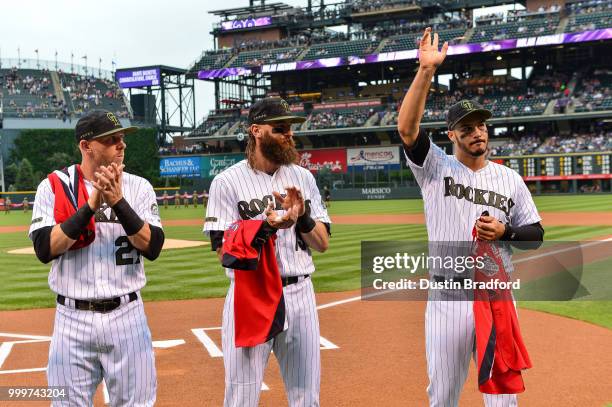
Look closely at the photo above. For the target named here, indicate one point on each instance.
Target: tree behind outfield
(25, 180)
(49, 150)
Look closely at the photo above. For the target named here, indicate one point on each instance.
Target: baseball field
(372, 351)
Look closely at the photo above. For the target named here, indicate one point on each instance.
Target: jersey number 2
(122, 255)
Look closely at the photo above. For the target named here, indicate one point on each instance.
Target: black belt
(103, 306)
(292, 280)
(441, 279)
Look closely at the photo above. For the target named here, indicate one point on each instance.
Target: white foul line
(105, 392)
(532, 257)
(5, 349)
(168, 344)
(37, 369)
(208, 343)
(327, 344)
(567, 249)
(22, 336)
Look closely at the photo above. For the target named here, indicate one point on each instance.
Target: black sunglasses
(281, 129)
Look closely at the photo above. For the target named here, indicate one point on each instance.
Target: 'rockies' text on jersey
(110, 266)
(454, 196)
(240, 192)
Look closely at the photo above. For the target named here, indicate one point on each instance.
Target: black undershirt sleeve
(216, 239)
(418, 152)
(155, 244)
(42, 244)
(527, 237)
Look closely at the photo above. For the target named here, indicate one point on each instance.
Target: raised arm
(413, 105)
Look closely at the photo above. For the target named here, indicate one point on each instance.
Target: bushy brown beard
(278, 151)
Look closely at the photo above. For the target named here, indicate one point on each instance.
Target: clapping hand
(293, 198)
(108, 182)
(292, 203)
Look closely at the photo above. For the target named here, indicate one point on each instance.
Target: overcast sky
(133, 33)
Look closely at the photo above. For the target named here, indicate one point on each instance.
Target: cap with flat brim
(272, 110)
(289, 119)
(463, 109)
(100, 123)
(484, 113)
(125, 130)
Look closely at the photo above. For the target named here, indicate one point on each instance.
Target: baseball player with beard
(269, 186)
(461, 193)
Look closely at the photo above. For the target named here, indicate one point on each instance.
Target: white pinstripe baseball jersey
(455, 196)
(110, 266)
(240, 192)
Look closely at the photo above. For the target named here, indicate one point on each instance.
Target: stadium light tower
(160, 95)
(1, 159)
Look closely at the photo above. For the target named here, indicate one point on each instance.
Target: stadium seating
(573, 143)
(589, 21)
(339, 49)
(85, 93)
(522, 146)
(271, 56)
(594, 92)
(28, 93)
(213, 124)
(339, 118)
(410, 41)
(527, 27)
(33, 93)
(212, 60)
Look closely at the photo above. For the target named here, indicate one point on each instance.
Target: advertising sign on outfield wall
(373, 158)
(179, 167)
(375, 193)
(333, 158)
(214, 164)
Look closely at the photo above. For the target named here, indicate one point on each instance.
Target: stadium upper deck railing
(457, 49)
(28, 63)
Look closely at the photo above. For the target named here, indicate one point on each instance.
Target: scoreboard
(553, 167)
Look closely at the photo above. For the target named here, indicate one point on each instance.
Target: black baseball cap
(99, 123)
(271, 110)
(463, 109)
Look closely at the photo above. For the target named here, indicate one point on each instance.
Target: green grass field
(196, 273)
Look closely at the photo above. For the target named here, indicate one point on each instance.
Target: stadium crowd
(402, 26)
(574, 143)
(362, 6)
(589, 6)
(16, 84)
(32, 93)
(87, 93)
(196, 148)
(497, 26)
(594, 92)
(338, 118)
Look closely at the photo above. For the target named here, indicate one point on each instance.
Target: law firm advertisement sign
(180, 166)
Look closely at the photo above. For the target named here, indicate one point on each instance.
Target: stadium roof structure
(173, 92)
(252, 9)
(164, 69)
